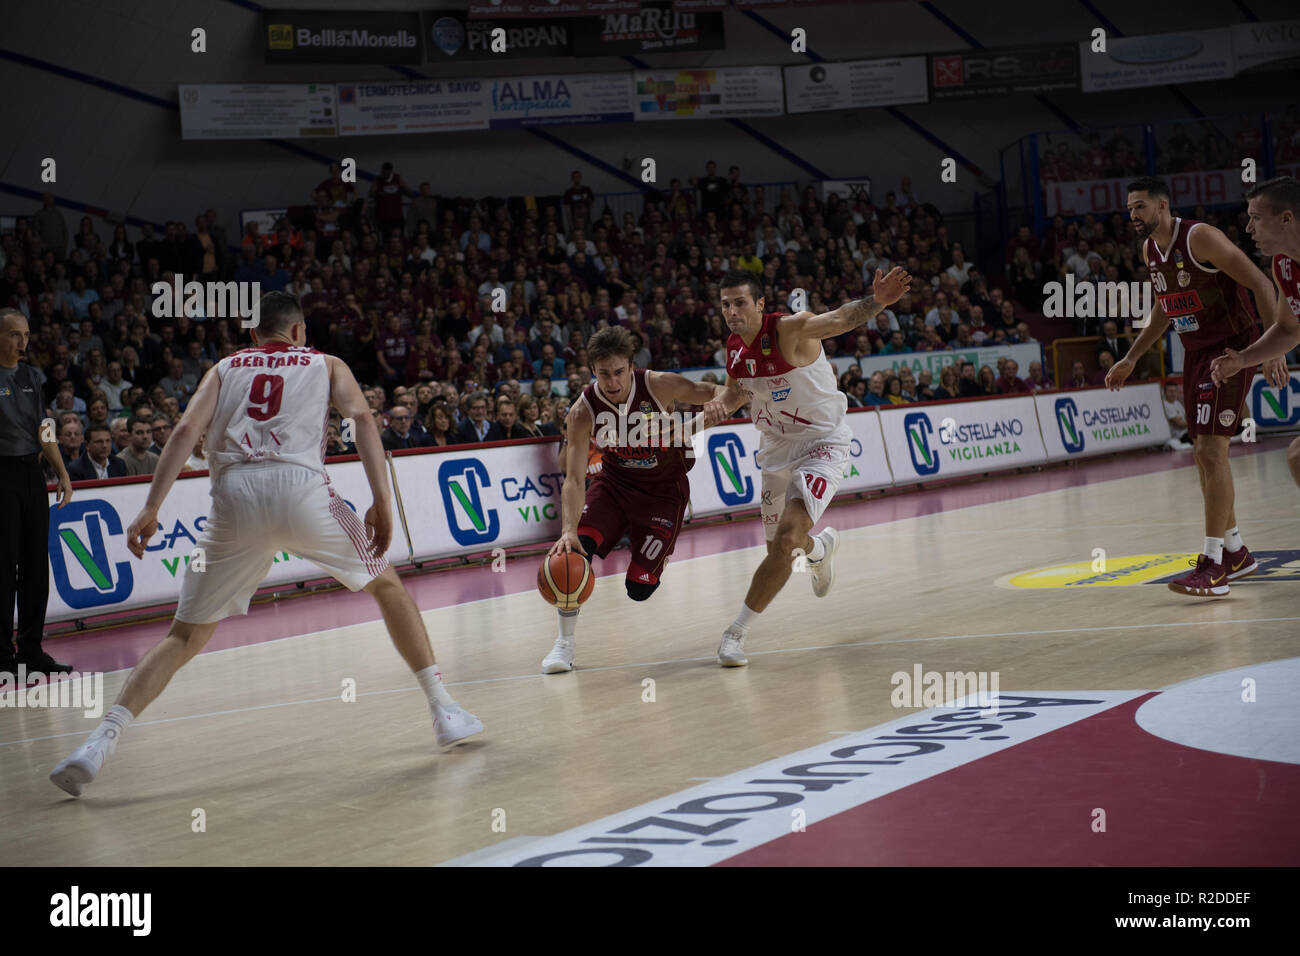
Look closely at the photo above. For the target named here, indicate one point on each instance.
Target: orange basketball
(565, 580)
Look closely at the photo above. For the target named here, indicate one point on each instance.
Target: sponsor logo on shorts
(1226, 418)
(659, 520)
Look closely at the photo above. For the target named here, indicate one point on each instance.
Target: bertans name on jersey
(646, 430)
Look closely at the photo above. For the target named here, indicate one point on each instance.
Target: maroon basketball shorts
(1211, 409)
(651, 517)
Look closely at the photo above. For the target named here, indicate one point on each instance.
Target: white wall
(124, 155)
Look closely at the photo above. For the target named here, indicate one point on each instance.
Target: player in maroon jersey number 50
(1274, 223)
(1199, 280)
(775, 363)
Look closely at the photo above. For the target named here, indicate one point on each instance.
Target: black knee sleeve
(639, 590)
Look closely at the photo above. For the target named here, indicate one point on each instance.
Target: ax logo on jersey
(725, 451)
(468, 519)
(89, 579)
(1273, 407)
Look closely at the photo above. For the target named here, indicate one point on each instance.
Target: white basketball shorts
(810, 469)
(258, 511)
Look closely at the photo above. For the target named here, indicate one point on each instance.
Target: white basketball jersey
(786, 401)
(273, 406)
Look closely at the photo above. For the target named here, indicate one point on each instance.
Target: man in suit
(478, 427)
(98, 460)
(398, 434)
(1111, 342)
(508, 419)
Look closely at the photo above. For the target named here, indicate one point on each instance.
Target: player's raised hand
(1275, 372)
(1225, 366)
(379, 527)
(141, 530)
(888, 289)
(1118, 374)
(568, 542)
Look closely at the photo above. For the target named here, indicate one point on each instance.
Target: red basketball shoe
(1210, 579)
(1240, 563)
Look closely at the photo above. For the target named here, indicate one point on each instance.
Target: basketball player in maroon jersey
(1274, 223)
(776, 364)
(1199, 278)
(263, 411)
(641, 489)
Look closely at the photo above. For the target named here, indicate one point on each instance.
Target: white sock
(1214, 548)
(110, 729)
(431, 682)
(1232, 540)
(745, 618)
(568, 623)
(818, 549)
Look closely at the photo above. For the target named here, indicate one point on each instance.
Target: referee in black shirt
(24, 503)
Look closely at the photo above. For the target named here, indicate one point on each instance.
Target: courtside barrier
(472, 499)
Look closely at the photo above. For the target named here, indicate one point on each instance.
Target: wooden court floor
(287, 773)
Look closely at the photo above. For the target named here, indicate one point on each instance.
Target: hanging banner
(550, 8)
(326, 36)
(1254, 44)
(544, 100)
(708, 94)
(257, 110)
(1031, 69)
(847, 86)
(655, 28)
(1158, 60)
(412, 106)
(1206, 187)
(453, 36)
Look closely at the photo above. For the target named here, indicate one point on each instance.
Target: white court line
(690, 660)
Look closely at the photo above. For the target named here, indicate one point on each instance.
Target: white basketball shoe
(83, 765)
(454, 723)
(731, 652)
(823, 571)
(560, 659)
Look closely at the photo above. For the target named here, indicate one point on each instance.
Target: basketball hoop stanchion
(401, 511)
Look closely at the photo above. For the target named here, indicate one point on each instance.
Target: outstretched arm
(1282, 337)
(886, 290)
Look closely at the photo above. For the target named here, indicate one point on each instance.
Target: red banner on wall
(1207, 187)
(722, 4)
(550, 8)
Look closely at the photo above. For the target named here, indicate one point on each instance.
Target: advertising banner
(708, 94)
(726, 476)
(1161, 59)
(1028, 69)
(92, 572)
(942, 441)
(1274, 409)
(342, 36)
(654, 28)
(412, 106)
(572, 99)
(1254, 44)
(550, 8)
(257, 110)
(847, 86)
(1207, 187)
(934, 362)
(1098, 421)
(451, 35)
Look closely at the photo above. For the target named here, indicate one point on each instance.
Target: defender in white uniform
(264, 411)
(776, 365)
